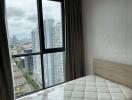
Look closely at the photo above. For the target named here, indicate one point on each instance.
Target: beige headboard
(116, 72)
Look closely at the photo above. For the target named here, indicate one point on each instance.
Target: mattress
(86, 88)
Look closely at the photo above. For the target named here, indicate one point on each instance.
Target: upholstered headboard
(116, 72)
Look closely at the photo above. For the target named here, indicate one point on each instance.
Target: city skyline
(29, 67)
(23, 36)
(21, 21)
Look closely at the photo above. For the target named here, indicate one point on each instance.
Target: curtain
(6, 82)
(74, 40)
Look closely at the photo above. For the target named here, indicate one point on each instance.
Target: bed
(112, 81)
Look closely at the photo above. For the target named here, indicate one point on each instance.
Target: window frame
(41, 28)
(43, 49)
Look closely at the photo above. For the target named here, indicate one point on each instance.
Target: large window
(37, 43)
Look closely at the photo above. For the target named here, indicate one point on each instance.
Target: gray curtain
(74, 40)
(6, 82)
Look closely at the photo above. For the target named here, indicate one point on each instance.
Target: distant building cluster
(20, 82)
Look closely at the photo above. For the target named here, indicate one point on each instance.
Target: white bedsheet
(87, 88)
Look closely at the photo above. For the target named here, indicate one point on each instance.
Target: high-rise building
(14, 40)
(28, 61)
(35, 40)
(22, 62)
(48, 27)
(53, 63)
(36, 59)
(58, 57)
(48, 58)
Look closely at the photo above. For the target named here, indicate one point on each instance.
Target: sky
(22, 16)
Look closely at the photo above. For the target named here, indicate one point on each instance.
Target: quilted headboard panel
(116, 72)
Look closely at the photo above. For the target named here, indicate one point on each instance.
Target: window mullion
(28, 54)
(63, 22)
(41, 34)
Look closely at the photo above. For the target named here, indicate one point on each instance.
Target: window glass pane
(54, 68)
(22, 26)
(52, 24)
(27, 74)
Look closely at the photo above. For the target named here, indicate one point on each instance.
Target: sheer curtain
(74, 40)
(6, 82)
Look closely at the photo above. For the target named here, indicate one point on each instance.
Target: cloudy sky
(22, 16)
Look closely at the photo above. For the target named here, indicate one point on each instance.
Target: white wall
(107, 26)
